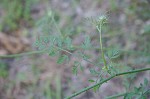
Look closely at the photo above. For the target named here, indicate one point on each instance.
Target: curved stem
(118, 74)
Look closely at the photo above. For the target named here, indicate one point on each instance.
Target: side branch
(97, 84)
(22, 54)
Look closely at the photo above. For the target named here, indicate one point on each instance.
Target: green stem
(115, 96)
(122, 50)
(75, 55)
(123, 94)
(76, 47)
(23, 54)
(44, 51)
(101, 45)
(118, 74)
(57, 28)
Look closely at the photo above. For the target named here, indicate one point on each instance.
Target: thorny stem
(104, 81)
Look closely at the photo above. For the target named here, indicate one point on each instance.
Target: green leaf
(112, 69)
(62, 58)
(52, 51)
(145, 82)
(41, 47)
(96, 88)
(52, 40)
(45, 39)
(36, 43)
(76, 63)
(90, 80)
(59, 42)
(146, 29)
(136, 90)
(114, 53)
(84, 56)
(75, 67)
(75, 70)
(129, 95)
(81, 67)
(87, 42)
(93, 72)
(68, 43)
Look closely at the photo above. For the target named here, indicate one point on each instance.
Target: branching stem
(104, 81)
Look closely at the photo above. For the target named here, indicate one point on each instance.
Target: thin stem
(75, 55)
(58, 29)
(43, 51)
(101, 45)
(118, 74)
(122, 50)
(123, 94)
(116, 96)
(23, 54)
(63, 50)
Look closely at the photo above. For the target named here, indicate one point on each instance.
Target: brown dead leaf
(12, 45)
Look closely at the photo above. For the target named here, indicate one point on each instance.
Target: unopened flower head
(102, 19)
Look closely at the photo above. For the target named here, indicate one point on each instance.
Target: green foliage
(140, 92)
(68, 43)
(58, 44)
(75, 70)
(91, 80)
(62, 58)
(96, 88)
(84, 56)
(146, 30)
(53, 51)
(93, 72)
(113, 53)
(87, 43)
(76, 66)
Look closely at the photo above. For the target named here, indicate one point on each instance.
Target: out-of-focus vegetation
(3, 70)
(15, 14)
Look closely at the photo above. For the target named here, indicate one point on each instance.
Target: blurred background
(38, 76)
